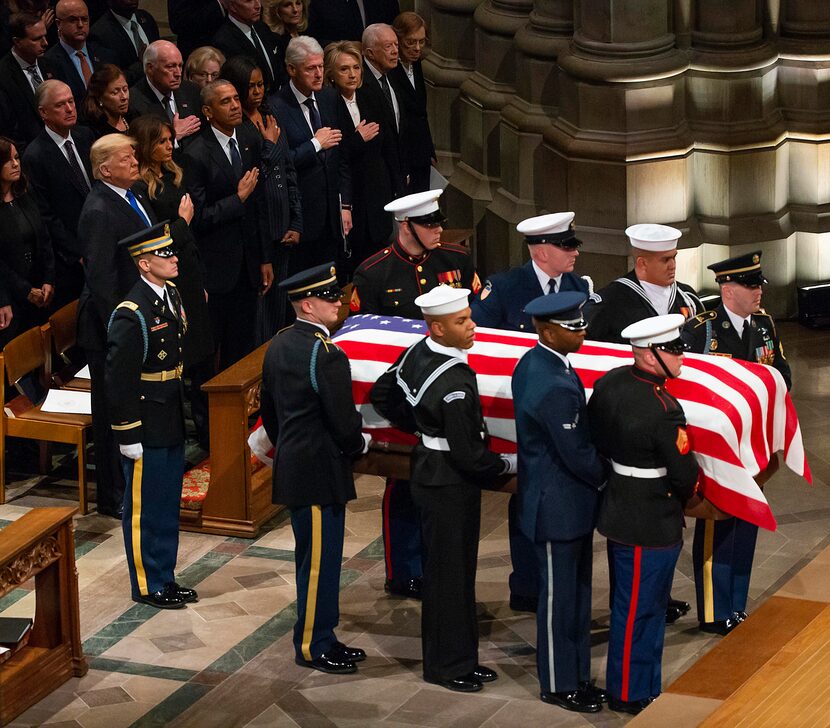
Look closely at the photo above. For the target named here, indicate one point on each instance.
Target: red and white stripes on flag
(739, 414)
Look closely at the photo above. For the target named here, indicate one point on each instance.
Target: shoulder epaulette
(376, 258)
(284, 329)
(170, 283)
(702, 318)
(762, 312)
(128, 304)
(325, 339)
(455, 248)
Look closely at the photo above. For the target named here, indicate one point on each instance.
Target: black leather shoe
(676, 609)
(408, 589)
(111, 512)
(333, 664)
(339, 651)
(592, 692)
(484, 674)
(574, 700)
(163, 599)
(740, 616)
(188, 595)
(519, 603)
(464, 684)
(628, 706)
(722, 627)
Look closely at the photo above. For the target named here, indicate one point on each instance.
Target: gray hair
(208, 93)
(371, 36)
(153, 51)
(44, 91)
(300, 48)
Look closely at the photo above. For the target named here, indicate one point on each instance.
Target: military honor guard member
(143, 376)
(432, 390)
(641, 428)
(309, 414)
(387, 284)
(561, 475)
(501, 304)
(722, 551)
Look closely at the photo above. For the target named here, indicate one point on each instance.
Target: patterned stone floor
(228, 661)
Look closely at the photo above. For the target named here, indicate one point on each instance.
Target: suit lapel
(62, 163)
(297, 116)
(218, 156)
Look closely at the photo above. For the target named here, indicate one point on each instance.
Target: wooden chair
(23, 355)
(63, 333)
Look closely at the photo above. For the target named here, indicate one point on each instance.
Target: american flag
(739, 414)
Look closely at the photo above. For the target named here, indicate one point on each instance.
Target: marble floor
(228, 660)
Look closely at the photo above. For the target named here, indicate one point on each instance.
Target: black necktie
(236, 159)
(76, 167)
(552, 285)
(168, 108)
(37, 79)
(140, 47)
(313, 114)
(384, 84)
(260, 49)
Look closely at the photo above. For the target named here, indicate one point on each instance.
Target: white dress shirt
(545, 279)
(351, 105)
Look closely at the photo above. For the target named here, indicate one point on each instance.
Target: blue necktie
(236, 159)
(134, 204)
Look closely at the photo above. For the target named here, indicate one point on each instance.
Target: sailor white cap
(655, 330)
(442, 300)
(656, 238)
(420, 207)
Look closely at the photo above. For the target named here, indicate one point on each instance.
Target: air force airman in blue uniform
(722, 550)
(554, 248)
(561, 475)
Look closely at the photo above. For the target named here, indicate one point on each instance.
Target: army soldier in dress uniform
(432, 390)
(561, 475)
(143, 376)
(641, 428)
(387, 284)
(722, 550)
(554, 248)
(309, 414)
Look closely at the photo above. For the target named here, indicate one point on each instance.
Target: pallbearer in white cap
(432, 390)
(641, 429)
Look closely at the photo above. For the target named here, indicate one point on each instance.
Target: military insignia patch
(450, 278)
(726, 325)
(682, 441)
(354, 301)
(713, 345)
(756, 259)
(488, 287)
(162, 355)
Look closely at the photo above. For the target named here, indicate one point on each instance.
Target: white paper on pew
(84, 373)
(437, 181)
(68, 402)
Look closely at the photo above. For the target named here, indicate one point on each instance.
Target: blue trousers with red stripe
(150, 522)
(642, 580)
(722, 553)
(318, 554)
(401, 532)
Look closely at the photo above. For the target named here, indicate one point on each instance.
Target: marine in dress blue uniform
(554, 248)
(722, 550)
(561, 475)
(143, 375)
(309, 414)
(387, 284)
(641, 429)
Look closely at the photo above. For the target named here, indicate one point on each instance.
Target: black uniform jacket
(309, 413)
(636, 423)
(145, 338)
(625, 302)
(711, 332)
(437, 395)
(388, 282)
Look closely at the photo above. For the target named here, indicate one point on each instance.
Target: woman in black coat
(106, 108)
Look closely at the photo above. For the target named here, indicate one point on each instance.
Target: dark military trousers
(318, 554)
(450, 525)
(722, 553)
(151, 517)
(642, 580)
(109, 474)
(563, 615)
(401, 532)
(523, 580)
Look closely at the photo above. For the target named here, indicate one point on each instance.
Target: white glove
(133, 452)
(510, 461)
(367, 440)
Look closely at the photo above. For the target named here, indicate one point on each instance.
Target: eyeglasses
(82, 19)
(206, 75)
(415, 42)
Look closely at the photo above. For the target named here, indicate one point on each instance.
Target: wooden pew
(41, 544)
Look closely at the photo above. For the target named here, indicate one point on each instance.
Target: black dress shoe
(573, 700)
(518, 603)
(187, 595)
(333, 664)
(339, 651)
(484, 674)
(163, 599)
(628, 706)
(722, 627)
(111, 512)
(410, 589)
(676, 609)
(740, 616)
(591, 691)
(464, 684)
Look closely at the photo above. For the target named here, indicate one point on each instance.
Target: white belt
(435, 443)
(632, 472)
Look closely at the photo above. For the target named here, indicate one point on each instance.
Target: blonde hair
(199, 57)
(271, 16)
(335, 50)
(104, 148)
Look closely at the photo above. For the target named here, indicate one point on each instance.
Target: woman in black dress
(27, 262)
(106, 108)
(282, 194)
(161, 181)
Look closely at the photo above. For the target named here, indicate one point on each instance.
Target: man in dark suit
(194, 22)
(243, 33)
(110, 213)
(163, 92)
(307, 114)
(22, 70)
(126, 31)
(57, 167)
(222, 171)
(75, 58)
(560, 479)
(331, 20)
